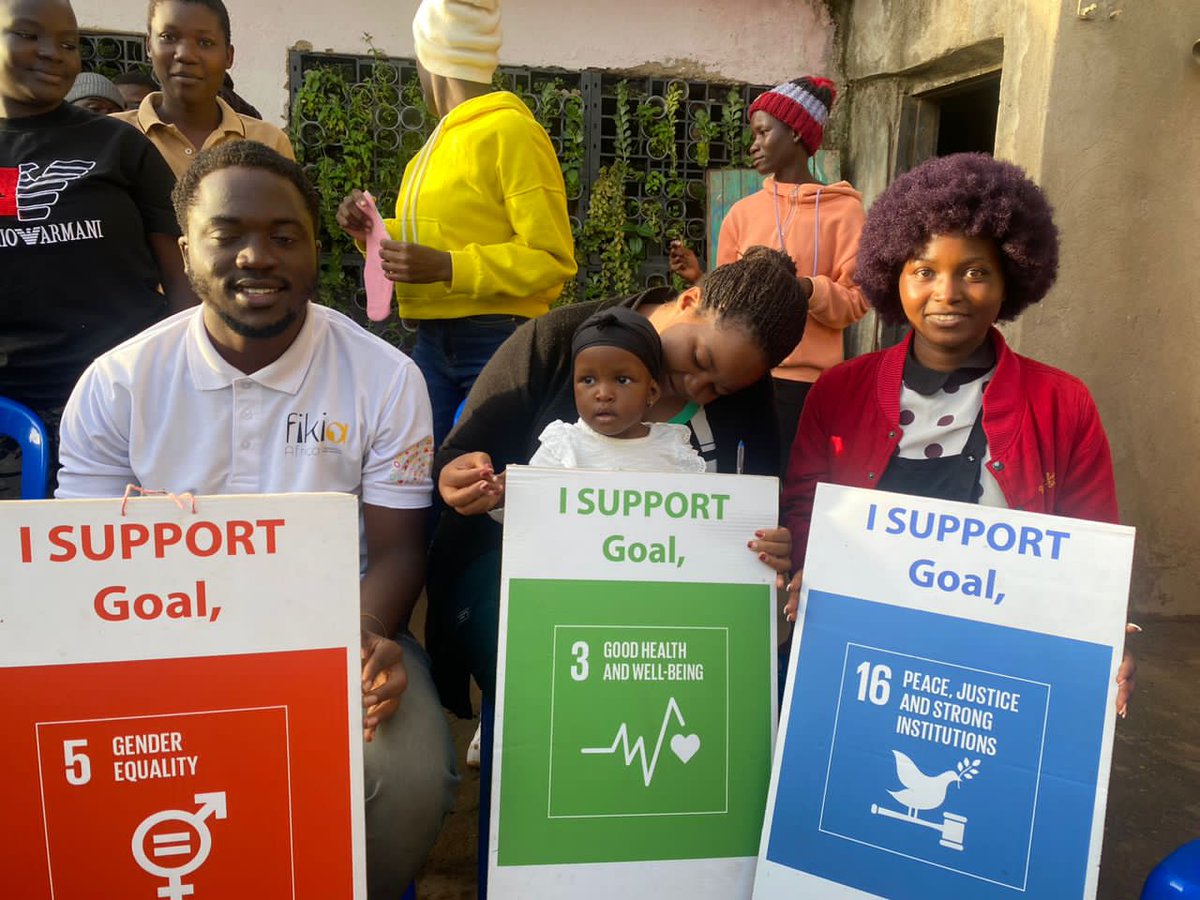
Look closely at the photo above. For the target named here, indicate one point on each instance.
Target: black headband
(624, 328)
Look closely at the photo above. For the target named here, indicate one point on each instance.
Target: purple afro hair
(970, 194)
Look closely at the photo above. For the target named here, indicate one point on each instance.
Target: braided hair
(760, 293)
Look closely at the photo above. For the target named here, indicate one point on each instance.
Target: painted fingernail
(763, 557)
(759, 534)
(750, 544)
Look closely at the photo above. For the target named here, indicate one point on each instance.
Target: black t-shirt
(79, 193)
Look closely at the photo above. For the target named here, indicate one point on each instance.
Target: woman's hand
(793, 596)
(383, 680)
(683, 262)
(414, 263)
(1126, 676)
(774, 547)
(469, 485)
(351, 218)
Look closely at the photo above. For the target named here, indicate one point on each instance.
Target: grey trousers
(410, 780)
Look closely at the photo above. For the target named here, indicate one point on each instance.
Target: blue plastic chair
(24, 426)
(1177, 877)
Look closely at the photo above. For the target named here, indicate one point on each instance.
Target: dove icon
(923, 791)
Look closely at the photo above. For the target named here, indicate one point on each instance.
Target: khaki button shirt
(179, 152)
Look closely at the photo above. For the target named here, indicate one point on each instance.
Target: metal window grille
(113, 54)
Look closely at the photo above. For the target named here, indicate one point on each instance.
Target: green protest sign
(634, 714)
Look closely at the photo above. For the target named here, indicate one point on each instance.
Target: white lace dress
(667, 448)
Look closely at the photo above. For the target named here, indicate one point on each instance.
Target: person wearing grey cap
(93, 91)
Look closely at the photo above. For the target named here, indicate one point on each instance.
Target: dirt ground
(1154, 795)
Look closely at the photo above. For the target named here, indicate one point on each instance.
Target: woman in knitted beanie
(816, 224)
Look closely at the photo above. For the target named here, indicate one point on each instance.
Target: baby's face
(613, 390)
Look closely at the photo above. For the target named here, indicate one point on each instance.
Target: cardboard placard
(635, 712)
(949, 711)
(180, 698)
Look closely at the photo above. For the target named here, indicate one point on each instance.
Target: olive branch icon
(968, 768)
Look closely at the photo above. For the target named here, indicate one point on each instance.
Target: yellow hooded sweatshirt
(487, 188)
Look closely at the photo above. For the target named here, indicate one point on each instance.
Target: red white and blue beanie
(803, 105)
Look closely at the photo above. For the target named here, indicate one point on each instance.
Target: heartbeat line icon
(683, 746)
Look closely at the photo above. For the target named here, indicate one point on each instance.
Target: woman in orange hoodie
(816, 224)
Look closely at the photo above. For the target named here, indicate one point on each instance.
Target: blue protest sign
(948, 718)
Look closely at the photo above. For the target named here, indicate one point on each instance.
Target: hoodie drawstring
(817, 232)
(779, 226)
(407, 205)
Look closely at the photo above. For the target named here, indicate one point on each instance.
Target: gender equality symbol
(178, 843)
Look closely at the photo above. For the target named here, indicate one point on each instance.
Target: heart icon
(685, 747)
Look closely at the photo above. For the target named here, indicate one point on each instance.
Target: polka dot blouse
(937, 420)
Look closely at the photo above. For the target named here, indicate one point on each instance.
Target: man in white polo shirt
(260, 391)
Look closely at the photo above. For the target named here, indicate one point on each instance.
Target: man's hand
(469, 485)
(683, 262)
(383, 680)
(415, 264)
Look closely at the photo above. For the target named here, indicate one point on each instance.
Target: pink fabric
(379, 288)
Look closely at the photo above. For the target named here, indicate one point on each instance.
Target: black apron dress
(944, 478)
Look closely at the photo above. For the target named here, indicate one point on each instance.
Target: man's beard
(258, 332)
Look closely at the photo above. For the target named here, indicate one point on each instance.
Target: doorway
(959, 117)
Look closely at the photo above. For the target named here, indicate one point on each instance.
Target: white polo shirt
(341, 410)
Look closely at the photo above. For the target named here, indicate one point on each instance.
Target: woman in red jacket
(952, 247)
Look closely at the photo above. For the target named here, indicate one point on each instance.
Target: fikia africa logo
(307, 435)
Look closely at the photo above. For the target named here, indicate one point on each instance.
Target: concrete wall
(895, 48)
(738, 40)
(1105, 113)
(1122, 165)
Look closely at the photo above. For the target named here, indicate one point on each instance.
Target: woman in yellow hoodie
(480, 240)
(816, 224)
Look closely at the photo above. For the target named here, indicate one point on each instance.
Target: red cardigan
(1048, 451)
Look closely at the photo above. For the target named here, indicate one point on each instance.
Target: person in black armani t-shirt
(87, 233)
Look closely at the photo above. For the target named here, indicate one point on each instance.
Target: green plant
(734, 133)
(607, 230)
(706, 131)
(623, 145)
(344, 142)
(572, 143)
(604, 232)
(658, 121)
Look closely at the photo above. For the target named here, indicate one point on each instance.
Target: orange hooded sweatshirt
(818, 226)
